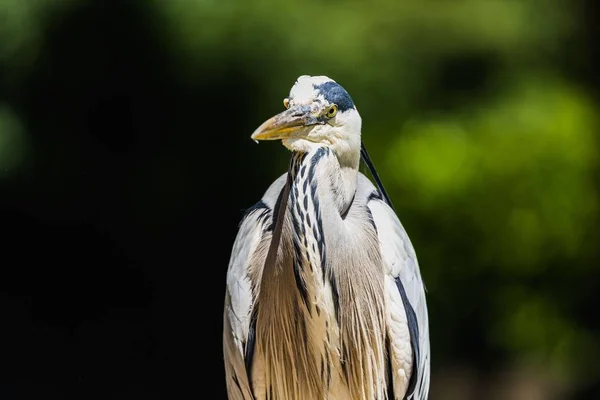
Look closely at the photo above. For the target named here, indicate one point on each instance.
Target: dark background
(126, 164)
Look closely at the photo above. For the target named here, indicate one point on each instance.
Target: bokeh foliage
(485, 136)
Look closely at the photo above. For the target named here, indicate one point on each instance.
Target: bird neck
(333, 183)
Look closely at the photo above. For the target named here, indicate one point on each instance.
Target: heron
(324, 297)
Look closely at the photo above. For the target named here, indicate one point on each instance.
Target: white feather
(401, 261)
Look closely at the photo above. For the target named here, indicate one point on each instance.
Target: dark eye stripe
(334, 93)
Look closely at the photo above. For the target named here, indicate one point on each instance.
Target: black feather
(249, 356)
(413, 328)
(367, 160)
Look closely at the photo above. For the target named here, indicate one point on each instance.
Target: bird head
(319, 112)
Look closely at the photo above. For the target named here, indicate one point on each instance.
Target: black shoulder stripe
(249, 356)
(390, 379)
(413, 328)
(374, 195)
(261, 207)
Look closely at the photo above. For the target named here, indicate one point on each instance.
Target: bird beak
(287, 124)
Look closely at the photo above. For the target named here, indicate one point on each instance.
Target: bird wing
(407, 316)
(238, 337)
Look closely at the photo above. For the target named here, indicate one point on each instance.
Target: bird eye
(331, 111)
(286, 102)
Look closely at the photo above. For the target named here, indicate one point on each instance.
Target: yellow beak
(287, 124)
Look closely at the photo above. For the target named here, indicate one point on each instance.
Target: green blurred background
(126, 164)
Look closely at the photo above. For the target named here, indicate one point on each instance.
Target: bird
(324, 297)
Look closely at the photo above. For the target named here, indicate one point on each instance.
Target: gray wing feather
(239, 297)
(401, 260)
